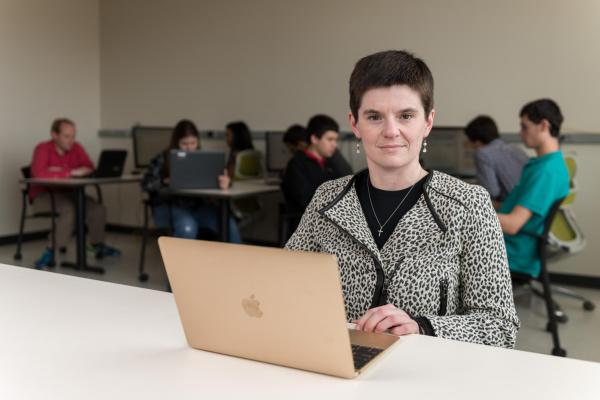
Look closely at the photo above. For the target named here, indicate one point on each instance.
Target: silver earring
(425, 146)
(358, 147)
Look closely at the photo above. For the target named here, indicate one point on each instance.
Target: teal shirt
(544, 180)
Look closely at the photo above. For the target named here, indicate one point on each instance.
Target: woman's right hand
(224, 180)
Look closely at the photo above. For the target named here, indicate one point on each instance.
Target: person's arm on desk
(81, 171)
(390, 319)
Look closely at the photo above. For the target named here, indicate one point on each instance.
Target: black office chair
(544, 279)
(52, 214)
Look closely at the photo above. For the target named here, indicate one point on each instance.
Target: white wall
(276, 62)
(49, 67)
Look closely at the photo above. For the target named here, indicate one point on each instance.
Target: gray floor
(580, 336)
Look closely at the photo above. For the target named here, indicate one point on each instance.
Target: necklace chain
(380, 230)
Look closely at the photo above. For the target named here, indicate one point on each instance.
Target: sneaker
(46, 260)
(103, 250)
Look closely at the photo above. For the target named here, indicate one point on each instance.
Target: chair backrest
(571, 163)
(248, 165)
(565, 234)
(26, 171)
(550, 218)
(543, 239)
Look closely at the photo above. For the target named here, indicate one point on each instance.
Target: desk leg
(224, 220)
(81, 263)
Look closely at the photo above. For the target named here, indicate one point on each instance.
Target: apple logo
(252, 307)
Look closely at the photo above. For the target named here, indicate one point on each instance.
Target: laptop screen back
(196, 169)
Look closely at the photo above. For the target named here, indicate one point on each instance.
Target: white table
(78, 185)
(238, 190)
(63, 337)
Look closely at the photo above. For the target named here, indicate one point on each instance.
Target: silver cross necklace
(380, 230)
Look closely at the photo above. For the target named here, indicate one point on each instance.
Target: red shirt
(45, 156)
(315, 158)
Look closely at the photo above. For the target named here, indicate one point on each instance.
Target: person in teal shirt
(544, 180)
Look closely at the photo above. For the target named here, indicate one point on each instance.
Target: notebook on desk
(196, 169)
(267, 304)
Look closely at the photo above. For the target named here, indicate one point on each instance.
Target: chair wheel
(143, 277)
(18, 257)
(560, 352)
(51, 264)
(588, 305)
(561, 316)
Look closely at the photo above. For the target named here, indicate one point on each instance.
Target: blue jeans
(187, 221)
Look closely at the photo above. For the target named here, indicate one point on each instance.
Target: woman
(188, 215)
(238, 138)
(418, 251)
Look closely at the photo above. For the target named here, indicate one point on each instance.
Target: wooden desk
(78, 186)
(66, 337)
(238, 190)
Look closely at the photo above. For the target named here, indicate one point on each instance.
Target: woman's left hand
(387, 318)
(224, 180)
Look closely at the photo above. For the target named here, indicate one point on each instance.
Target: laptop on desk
(110, 165)
(196, 169)
(267, 304)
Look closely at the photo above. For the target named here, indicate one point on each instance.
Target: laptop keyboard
(362, 355)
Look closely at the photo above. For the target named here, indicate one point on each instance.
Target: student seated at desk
(238, 138)
(544, 180)
(296, 139)
(311, 166)
(188, 215)
(63, 157)
(418, 251)
(498, 164)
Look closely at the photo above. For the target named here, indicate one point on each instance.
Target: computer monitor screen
(448, 151)
(278, 154)
(148, 142)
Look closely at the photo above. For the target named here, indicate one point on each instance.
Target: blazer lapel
(346, 212)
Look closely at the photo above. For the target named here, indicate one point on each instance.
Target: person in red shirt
(63, 157)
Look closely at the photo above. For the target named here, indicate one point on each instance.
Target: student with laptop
(311, 166)
(418, 251)
(63, 157)
(545, 179)
(189, 215)
(498, 164)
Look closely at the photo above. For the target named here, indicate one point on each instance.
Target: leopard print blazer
(445, 260)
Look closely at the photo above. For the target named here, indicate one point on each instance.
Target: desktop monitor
(148, 142)
(278, 154)
(448, 151)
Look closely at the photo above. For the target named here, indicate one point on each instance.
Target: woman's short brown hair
(390, 68)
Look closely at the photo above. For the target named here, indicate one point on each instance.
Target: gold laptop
(267, 304)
